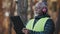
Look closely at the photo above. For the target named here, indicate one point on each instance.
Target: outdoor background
(24, 9)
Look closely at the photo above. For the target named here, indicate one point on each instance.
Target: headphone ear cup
(44, 10)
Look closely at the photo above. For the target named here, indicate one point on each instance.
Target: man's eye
(38, 8)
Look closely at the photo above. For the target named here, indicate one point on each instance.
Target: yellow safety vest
(39, 26)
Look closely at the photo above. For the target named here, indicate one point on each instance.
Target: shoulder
(49, 23)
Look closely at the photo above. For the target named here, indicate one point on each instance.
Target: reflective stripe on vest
(39, 26)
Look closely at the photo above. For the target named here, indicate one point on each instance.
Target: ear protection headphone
(44, 9)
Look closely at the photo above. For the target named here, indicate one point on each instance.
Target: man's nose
(37, 9)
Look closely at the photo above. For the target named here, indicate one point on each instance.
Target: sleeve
(49, 27)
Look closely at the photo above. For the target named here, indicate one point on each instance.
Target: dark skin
(37, 10)
(26, 31)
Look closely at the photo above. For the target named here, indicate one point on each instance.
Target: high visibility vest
(39, 26)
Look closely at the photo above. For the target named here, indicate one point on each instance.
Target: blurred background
(25, 9)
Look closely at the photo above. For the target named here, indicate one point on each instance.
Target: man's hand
(24, 30)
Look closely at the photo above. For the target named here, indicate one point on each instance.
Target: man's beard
(35, 14)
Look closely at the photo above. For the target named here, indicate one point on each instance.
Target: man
(42, 23)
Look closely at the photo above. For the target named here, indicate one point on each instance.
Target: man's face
(37, 9)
